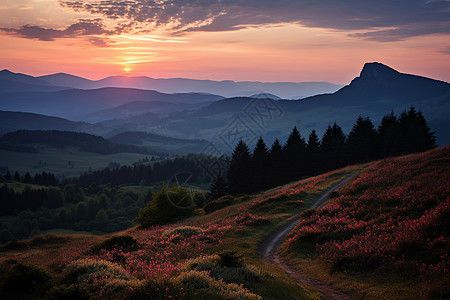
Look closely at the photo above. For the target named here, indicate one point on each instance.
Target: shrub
(212, 265)
(69, 292)
(166, 204)
(199, 198)
(90, 270)
(218, 203)
(205, 287)
(184, 231)
(126, 243)
(26, 280)
(229, 259)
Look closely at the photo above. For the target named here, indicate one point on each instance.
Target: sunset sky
(264, 40)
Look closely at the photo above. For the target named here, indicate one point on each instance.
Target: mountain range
(225, 88)
(377, 91)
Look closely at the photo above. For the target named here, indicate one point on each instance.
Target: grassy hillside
(215, 255)
(174, 260)
(385, 236)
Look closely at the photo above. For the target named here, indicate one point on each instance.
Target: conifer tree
(312, 154)
(294, 155)
(275, 164)
(239, 180)
(333, 148)
(259, 167)
(362, 142)
(415, 135)
(218, 187)
(17, 176)
(389, 135)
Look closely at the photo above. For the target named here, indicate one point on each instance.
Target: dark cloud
(445, 50)
(381, 20)
(98, 42)
(403, 18)
(82, 28)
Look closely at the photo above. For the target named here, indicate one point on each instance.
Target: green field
(63, 163)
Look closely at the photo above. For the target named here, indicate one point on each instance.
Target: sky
(245, 40)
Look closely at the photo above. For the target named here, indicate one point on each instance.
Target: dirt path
(269, 250)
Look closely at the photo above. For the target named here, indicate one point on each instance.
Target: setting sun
(127, 69)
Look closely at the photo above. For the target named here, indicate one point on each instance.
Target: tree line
(265, 168)
(149, 173)
(97, 209)
(43, 178)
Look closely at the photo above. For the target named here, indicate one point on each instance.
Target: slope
(13, 121)
(62, 139)
(385, 235)
(75, 104)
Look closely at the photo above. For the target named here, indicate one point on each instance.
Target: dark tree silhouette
(27, 178)
(294, 155)
(333, 148)
(218, 187)
(17, 176)
(362, 142)
(239, 180)
(312, 154)
(259, 166)
(389, 134)
(415, 135)
(275, 164)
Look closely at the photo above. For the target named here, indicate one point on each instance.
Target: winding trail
(269, 250)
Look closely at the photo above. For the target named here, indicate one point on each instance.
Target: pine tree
(332, 148)
(17, 177)
(239, 180)
(276, 164)
(218, 187)
(259, 166)
(312, 154)
(27, 178)
(362, 142)
(415, 135)
(294, 155)
(389, 135)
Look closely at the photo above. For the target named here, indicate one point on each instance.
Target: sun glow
(127, 69)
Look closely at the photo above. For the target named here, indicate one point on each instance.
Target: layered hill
(13, 121)
(377, 91)
(227, 88)
(75, 104)
(62, 139)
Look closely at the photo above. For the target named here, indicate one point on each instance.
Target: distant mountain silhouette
(74, 104)
(62, 139)
(13, 121)
(378, 90)
(159, 142)
(265, 95)
(227, 88)
(17, 82)
(136, 108)
(378, 81)
(71, 81)
(23, 78)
